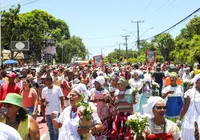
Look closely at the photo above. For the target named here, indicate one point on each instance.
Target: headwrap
(173, 74)
(100, 80)
(148, 108)
(195, 79)
(81, 90)
(123, 81)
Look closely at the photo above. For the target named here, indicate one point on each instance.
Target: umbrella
(10, 62)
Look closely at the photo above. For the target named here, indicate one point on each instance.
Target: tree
(37, 26)
(71, 47)
(166, 44)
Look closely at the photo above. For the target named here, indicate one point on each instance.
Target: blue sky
(100, 23)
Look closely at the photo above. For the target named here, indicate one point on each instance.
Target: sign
(50, 46)
(50, 50)
(19, 45)
(49, 42)
(150, 57)
(98, 61)
(46, 57)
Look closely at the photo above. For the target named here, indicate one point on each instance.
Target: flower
(137, 123)
(154, 85)
(135, 91)
(186, 83)
(85, 109)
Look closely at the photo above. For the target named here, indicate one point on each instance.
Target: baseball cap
(55, 71)
(12, 75)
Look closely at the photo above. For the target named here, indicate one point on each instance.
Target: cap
(12, 75)
(55, 71)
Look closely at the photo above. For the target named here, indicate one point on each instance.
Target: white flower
(186, 81)
(81, 108)
(92, 106)
(156, 84)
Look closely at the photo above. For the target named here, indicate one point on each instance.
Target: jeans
(53, 133)
(30, 111)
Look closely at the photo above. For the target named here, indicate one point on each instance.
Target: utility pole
(102, 51)
(126, 38)
(138, 32)
(119, 50)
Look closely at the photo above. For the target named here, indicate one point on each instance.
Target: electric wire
(174, 25)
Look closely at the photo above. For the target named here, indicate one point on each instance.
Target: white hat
(148, 108)
(100, 80)
(188, 68)
(195, 79)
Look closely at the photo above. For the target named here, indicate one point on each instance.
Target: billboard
(150, 57)
(98, 61)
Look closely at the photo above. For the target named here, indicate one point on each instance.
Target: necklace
(159, 128)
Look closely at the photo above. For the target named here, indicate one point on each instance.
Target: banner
(50, 50)
(150, 57)
(98, 61)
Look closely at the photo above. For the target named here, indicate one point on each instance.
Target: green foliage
(137, 123)
(37, 26)
(185, 48)
(84, 108)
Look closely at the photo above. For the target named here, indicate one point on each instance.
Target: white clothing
(19, 84)
(178, 91)
(8, 133)
(186, 77)
(192, 115)
(136, 84)
(170, 127)
(70, 124)
(52, 96)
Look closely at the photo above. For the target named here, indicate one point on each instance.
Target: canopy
(7, 62)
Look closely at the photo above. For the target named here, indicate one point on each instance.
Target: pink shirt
(28, 97)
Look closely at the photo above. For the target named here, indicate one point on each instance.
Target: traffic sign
(46, 57)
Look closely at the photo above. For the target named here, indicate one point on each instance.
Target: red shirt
(8, 88)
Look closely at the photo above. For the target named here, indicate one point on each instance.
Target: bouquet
(186, 84)
(135, 91)
(85, 111)
(154, 85)
(137, 123)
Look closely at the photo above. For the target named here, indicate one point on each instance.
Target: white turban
(81, 89)
(100, 80)
(195, 79)
(148, 108)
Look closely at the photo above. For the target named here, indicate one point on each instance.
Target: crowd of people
(169, 93)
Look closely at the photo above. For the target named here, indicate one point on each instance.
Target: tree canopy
(185, 48)
(37, 26)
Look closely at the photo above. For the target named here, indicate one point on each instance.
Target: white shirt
(8, 133)
(70, 124)
(52, 96)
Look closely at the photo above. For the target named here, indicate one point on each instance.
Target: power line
(174, 24)
(22, 3)
(103, 37)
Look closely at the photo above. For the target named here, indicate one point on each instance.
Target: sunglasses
(7, 105)
(160, 107)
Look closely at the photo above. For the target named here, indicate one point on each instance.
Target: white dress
(70, 124)
(136, 84)
(192, 115)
